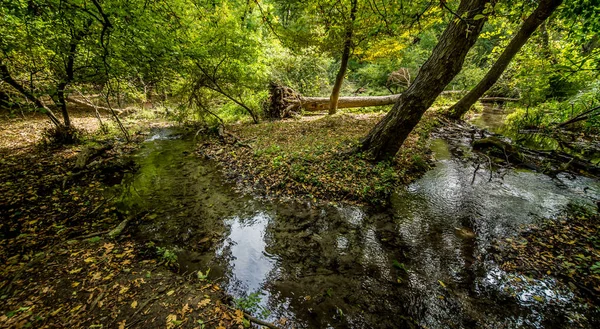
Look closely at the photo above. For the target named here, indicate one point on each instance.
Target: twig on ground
(475, 173)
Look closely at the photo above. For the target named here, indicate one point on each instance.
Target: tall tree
(339, 79)
(349, 27)
(446, 60)
(540, 14)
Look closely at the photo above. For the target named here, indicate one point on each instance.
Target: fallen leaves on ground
(50, 277)
(567, 248)
(308, 158)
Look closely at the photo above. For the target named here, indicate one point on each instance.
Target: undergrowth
(61, 136)
(309, 158)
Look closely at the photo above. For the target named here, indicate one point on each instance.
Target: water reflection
(421, 262)
(245, 245)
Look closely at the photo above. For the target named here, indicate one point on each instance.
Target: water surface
(420, 262)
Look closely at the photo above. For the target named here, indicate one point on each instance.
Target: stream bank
(59, 267)
(422, 261)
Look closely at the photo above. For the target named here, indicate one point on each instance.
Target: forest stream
(420, 262)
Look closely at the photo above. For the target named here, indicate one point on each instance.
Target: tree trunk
(446, 60)
(339, 79)
(316, 104)
(62, 103)
(69, 74)
(5, 76)
(539, 15)
(284, 102)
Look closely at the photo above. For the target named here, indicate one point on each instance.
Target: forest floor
(59, 267)
(308, 158)
(567, 248)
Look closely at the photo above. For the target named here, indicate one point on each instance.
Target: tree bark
(5, 76)
(62, 103)
(69, 74)
(317, 104)
(286, 102)
(339, 79)
(446, 60)
(539, 15)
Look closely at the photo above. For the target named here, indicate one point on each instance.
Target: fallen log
(580, 117)
(498, 99)
(284, 102)
(93, 106)
(314, 104)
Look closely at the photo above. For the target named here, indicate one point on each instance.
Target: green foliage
(199, 60)
(251, 304)
(305, 71)
(203, 276)
(554, 112)
(167, 256)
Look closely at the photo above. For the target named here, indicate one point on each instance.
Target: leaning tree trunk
(446, 60)
(5, 76)
(339, 79)
(539, 15)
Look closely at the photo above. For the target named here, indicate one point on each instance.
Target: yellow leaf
(185, 309)
(108, 246)
(75, 284)
(76, 308)
(239, 316)
(203, 303)
(122, 324)
(134, 304)
(170, 292)
(171, 321)
(89, 260)
(123, 290)
(442, 284)
(56, 311)
(75, 271)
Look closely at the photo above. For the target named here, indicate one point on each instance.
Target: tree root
(236, 140)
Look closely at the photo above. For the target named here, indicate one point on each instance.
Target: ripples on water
(421, 261)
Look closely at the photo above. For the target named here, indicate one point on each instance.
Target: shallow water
(493, 116)
(420, 262)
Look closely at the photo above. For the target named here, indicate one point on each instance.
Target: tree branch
(5, 76)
